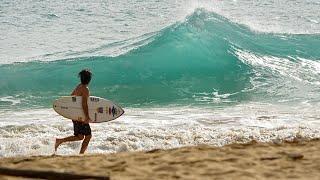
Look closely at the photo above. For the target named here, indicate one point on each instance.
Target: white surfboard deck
(100, 110)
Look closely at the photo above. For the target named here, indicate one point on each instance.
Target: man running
(82, 130)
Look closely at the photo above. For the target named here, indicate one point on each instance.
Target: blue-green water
(186, 72)
(189, 62)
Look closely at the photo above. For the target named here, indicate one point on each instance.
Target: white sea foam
(10, 99)
(283, 79)
(300, 69)
(33, 132)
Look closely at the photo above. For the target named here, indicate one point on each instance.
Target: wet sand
(287, 160)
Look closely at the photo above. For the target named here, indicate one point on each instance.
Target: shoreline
(286, 160)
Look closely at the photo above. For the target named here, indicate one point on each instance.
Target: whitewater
(186, 72)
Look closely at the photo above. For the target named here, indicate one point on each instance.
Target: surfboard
(100, 109)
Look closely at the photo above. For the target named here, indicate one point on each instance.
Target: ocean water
(186, 72)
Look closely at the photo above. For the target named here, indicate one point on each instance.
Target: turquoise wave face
(204, 60)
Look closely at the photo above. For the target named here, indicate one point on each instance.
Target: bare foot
(56, 145)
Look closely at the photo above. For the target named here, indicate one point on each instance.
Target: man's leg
(85, 144)
(67, 139)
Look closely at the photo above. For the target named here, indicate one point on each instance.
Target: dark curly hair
(85, 76)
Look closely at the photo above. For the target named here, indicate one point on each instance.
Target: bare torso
(80, 90)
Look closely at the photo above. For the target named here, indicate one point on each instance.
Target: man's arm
(85, 96)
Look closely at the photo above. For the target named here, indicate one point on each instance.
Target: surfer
(82, 130)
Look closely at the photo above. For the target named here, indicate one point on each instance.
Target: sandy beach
(286, 160)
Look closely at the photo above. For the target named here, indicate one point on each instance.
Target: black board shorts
(81, 128)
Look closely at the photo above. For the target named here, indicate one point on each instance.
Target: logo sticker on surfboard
(100, 110)
(114, 111)
(94, 99)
